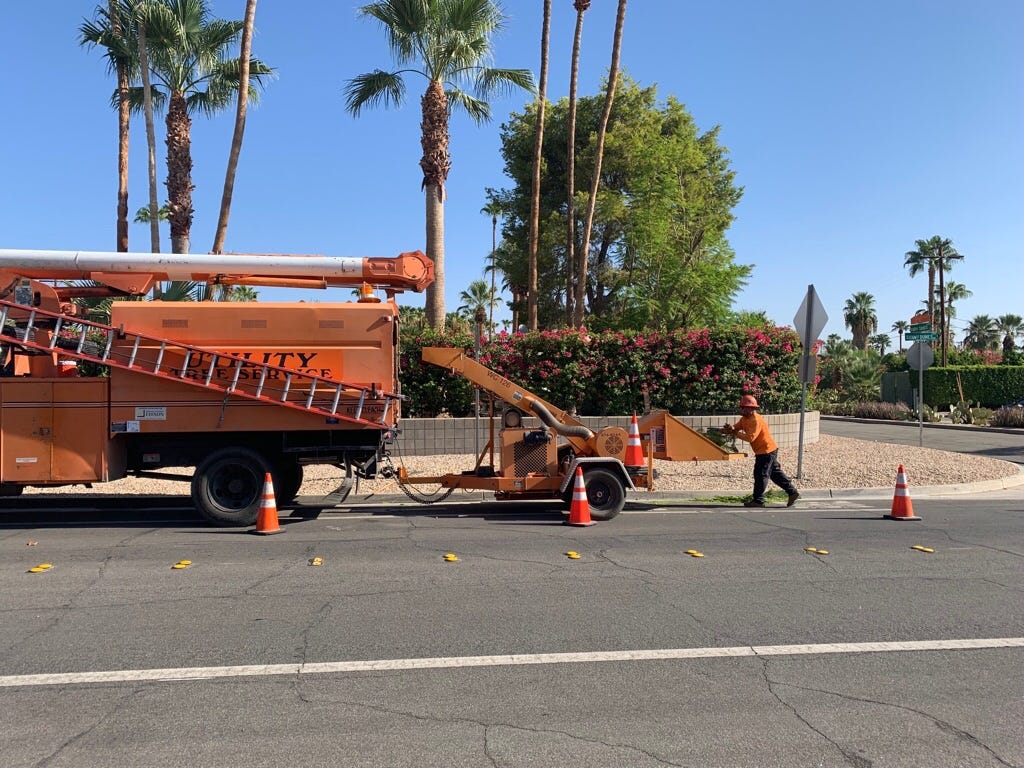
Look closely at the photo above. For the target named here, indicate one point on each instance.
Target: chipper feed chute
(673, 440)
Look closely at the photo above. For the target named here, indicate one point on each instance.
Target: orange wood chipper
(541, 463)
(234, 389)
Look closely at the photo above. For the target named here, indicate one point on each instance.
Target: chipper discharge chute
(672, 440)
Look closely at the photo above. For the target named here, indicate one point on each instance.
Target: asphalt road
(1007, 445)
(383, 593)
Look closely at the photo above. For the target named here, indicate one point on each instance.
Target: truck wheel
(228, 486)
(287, 481)
(606, 494)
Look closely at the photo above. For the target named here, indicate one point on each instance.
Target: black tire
(228, 486)
(9, 490)
(606, 493)
(287, 481)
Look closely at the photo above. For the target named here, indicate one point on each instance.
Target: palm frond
(372, 89)
(478, 109)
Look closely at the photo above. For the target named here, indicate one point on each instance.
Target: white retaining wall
(429, 437)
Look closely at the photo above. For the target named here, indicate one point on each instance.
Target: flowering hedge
(596, 374)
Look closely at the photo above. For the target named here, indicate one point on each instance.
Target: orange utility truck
(234, 389)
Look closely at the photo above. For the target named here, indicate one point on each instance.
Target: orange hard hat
(748, 401)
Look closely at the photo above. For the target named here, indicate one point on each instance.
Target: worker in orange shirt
(754, 429)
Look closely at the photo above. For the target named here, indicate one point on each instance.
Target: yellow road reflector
(810, 549)
(822, 552)
(37, 569)
(317, 561)
(571, 552)
(45, 566)
(178, 567)
(450, 557)
(919, 548)
(696, 554)
(572, 555)
(31, 543)
(184, 562)
(691, 551)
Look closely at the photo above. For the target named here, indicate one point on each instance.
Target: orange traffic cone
(634, 451)
(579, 510)
(266, 520)
(902, 507)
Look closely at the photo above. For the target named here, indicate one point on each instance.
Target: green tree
(659, 256)
(538, 154)
(492, 209)
(860, 317)
(900, 327)
(447, 42)
(1011, 326)
(476, 297)
(581, 7)
(188, 59)
(982, 333)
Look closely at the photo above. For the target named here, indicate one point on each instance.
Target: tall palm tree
(581, 7)
(110, 30)
(938, 254)
(881, 342)
(954, 292)
(147, 108)
(492, 209)
(982, 333)
(448, 42)
(538, 150)
(236, 139)
(901, 327)
(602, 127)
(1011, 326)
(188, 58)
(859, 316)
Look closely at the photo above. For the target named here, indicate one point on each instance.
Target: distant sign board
(921, 336)
(914, 327)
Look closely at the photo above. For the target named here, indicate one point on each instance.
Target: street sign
(914, 327)
(808, 366)
(921, 317)
(921, 336)
(810, 319)
(920, 356)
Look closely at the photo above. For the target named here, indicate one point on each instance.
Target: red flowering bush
(607, 373)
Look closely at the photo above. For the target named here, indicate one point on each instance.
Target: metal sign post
(919, 357)
(809, 322)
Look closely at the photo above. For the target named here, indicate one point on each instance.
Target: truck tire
(227, 486)
(606, 493)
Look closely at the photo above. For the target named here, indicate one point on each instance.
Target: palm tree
(881, 342)
(1010, 326)
(450, 42)
(492, 209)
(602, 127)
(954, 292)
(901, 327)
(859, 315)
(982, 333)
(938, 253)
(477, 297)
(111, 31)
(188, 59)
(236, 139)
(147, 108)
(581, 7)
(538, 149)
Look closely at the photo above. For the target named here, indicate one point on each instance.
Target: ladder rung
(160, 357)
(56, 332)
(234, 379)
(135, 351)
(209, 372)
(263, 380)
(387, 405)
(312, 391)
(184, 365)
(106, 349)
(337, 397)
(29, 324)
(81, 339)
(359, 407)
(287, 386)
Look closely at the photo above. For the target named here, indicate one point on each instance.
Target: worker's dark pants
(767, 467)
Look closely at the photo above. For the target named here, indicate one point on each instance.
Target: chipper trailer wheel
(606, 493)
(228, 486)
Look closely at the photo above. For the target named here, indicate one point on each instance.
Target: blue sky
(855, 129)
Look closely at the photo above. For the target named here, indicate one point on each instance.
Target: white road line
(381, 665)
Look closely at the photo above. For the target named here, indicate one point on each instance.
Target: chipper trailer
(540, 463)
(233, 389)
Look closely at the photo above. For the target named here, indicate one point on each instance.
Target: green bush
(988, 385)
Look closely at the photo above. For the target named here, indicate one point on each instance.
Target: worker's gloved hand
(727, 428)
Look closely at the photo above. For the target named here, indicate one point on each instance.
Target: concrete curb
(926, 425)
